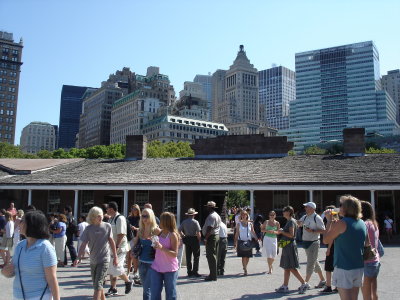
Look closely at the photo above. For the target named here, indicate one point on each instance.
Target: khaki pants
(312, 258)
(211, 254)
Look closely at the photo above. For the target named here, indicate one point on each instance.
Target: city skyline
(86, 51)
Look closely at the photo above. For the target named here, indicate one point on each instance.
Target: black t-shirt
(2, 222)
(134, 221)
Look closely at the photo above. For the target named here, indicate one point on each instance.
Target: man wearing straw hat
(191, 236)
(211, 236)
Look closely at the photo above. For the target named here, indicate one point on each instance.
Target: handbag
(244, 246)
(137, 249)
(381, 250)
(283, 243)
(20, 280)
(369, 252)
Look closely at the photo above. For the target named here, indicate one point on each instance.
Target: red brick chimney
(354, 141)
(136, 147)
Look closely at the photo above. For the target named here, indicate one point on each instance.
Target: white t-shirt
(314, 222)
(119, 227)
(81, 227)
(223, 231)
(9, 229)
(388, 223)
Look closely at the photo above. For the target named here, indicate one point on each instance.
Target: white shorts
(347, 279)
(119, 269)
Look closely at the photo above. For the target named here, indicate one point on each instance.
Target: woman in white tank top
(244, 232)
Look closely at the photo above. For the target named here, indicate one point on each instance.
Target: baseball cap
(310, 204)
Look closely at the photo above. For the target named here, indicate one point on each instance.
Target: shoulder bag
(369, 252)
(20, 279)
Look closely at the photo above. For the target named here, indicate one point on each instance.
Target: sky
(81, 43)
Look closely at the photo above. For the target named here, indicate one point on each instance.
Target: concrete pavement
(75, 283)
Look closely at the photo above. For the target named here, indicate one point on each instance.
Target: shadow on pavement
(274, 295)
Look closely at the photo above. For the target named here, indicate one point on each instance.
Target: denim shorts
(372, 269)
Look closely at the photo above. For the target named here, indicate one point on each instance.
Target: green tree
(237, 198)
(292, 153)
(45, 154)
(10, 151)
(314, 150)
(170, 149)
(61, 153)
(116, 151)
(77, 153)
(380, 151)
(99, 151)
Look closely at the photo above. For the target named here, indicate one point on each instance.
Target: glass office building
(336, 88)
(70, 111)
(277, 88)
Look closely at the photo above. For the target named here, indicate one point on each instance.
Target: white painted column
(252, 204)
(76, 205)
(178, 207)
(373, 199)
(29, 197)
(125, 210)
(311, 195)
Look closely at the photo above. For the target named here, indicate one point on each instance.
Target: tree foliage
(380, 151)
(237, 198)
(315, 150)
(170, 149)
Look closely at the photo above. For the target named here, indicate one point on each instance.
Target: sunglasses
(145, 216)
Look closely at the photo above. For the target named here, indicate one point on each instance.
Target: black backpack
(129, 232)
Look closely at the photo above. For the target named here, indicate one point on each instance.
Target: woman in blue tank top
(349, 235)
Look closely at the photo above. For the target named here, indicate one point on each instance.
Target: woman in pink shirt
(164, 269)
(371, 267)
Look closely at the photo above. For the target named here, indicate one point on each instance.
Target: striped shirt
(32, 261)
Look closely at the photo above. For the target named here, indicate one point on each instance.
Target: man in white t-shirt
(313, 226)
(118, 225)
(388, 227)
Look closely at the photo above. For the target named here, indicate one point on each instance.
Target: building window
(280, 199)
(141, 198)
(87, 201)
(53, 204)
(170, 203)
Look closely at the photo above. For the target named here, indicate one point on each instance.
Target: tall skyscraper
(70, 111)
(239, 107)
(95, 120)
(149, 94)
(391, 84)
(37, 136)
(277, 90)
(10, 68)
(337, 88)
(206, 83)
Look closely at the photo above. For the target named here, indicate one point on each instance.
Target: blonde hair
(20, 213)
(152, 221)
(94, 212)
(168, 222)
(135, 206)
(351, 207)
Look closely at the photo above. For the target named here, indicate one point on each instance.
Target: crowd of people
(144, 249)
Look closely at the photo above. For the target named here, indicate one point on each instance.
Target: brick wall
(354, 141)
(136, 147)
(229, 145)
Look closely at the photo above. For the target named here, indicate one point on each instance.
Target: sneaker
(335, 290)
(303, 288)
(136, 276)
(128, 287)
(327, 290)
(321, 284)
(111, 292)
(197, 274)
(282, 289)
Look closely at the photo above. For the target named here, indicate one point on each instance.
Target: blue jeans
(156, 285)
(144, 273)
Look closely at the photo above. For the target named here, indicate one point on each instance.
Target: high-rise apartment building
(206, 83)
(37, 136)
(95, 120)
(70, 111)
(240, 102)
(337, 88)
(149, 94)
(391, 84)
(10, 68)
(277, 88)
(171, 128)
